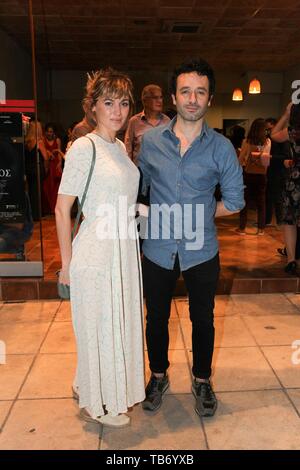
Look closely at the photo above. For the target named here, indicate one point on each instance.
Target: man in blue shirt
(182, 162)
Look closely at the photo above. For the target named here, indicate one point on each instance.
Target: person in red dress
(54, 170)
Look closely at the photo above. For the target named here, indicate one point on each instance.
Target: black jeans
(201, 282)
(274, 189)
(255, 189)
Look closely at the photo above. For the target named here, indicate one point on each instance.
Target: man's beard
(192, 117)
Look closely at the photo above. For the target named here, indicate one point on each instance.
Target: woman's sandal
(108, 419)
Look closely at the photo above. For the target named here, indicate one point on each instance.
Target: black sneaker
(282, 251)
(291, 268)
(206, 402)
(154, 391)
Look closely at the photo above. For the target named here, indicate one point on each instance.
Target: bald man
(151, 116)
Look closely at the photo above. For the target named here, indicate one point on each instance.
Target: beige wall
(266, 104)
(253, 106)
(289, 76)
(68, 91)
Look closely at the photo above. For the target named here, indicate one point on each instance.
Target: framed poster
(229, 124)
(12, 185)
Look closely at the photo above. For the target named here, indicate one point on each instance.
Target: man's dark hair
(271, 120)
(237, 136)
(50, 125)
(201, 67)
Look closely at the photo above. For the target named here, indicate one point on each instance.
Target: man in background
(81, 129)
(151, 116)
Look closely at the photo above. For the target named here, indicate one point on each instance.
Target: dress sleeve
(76, 169)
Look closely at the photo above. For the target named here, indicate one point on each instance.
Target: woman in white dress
(102, 265)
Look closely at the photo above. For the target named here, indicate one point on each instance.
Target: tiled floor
(255, 379)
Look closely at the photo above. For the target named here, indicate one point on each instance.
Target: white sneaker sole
(119, 421)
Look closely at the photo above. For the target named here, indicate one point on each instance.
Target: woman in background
(257, 146)
(35, 148)
(288, 128)
(54, 170)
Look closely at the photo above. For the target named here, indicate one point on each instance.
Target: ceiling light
(237, 95)
(254, 87)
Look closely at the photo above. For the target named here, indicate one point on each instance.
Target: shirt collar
(143, 116)
(169, 128)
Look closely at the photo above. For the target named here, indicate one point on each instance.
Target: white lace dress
(105, 278)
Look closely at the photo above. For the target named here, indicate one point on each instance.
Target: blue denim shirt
(189, 182)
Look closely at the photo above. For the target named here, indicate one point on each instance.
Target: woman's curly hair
(109, 83)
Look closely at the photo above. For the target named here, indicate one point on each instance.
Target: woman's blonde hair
(35, 131)
(109, 83)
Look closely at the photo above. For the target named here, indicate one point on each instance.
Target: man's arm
(280, 130)
(144, 167)
(231, 183)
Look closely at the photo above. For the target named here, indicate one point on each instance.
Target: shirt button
(173, 255)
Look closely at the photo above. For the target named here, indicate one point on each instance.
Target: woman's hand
(58, 169)
(58, 152)
(265, 159)
(64, 276)
(288, 163)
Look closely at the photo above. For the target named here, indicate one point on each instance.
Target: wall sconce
(237, 95)
(254, 86)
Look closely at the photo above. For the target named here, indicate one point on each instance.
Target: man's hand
(221, 210)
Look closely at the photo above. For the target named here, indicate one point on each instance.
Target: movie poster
(12, 188)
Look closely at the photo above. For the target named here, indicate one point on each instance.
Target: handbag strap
(80, 204)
